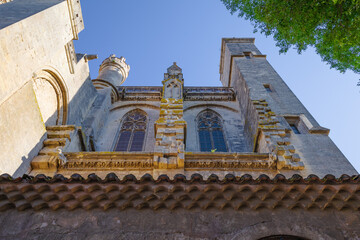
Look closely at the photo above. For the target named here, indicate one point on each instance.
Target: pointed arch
(210, 131)
(172, 89)
(132, 131)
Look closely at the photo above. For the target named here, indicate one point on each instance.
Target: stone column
(170, 128)
(112, 73)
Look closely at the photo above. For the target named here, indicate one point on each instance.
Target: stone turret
(112, 73)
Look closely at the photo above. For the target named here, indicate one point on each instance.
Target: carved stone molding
(190, 93)
(140, 93)
(84, 161)
(57, 82)
(71, 56)
(77, 23)
(209, 94)
(229, 161)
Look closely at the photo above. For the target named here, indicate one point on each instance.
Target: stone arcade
(88, 158)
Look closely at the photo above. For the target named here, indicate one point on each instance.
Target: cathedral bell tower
(170, 128)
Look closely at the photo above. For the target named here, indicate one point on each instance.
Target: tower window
(248, 55)
(296, 124)
(132, 132)
(211, 135)
(267, 87)
(294, 129)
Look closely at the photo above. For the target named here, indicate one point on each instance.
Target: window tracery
(132, 132)
(210, 130)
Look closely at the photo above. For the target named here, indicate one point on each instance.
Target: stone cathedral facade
(86, 158)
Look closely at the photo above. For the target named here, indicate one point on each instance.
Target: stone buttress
(170, 128)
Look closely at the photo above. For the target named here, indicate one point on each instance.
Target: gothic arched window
(132, 132)
(211, 135)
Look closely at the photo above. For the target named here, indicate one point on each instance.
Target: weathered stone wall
(316, 150)
(21, 130)
(178, 224)
(248, 111)
(35, 37)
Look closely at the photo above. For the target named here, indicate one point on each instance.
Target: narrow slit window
(267, 87)
(132, 132)
(211, 135)
(294, 129)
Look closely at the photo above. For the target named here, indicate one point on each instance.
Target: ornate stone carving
(228, 161)
(209, 94)
(140, 93)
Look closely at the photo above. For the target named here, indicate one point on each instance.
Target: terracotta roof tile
(195, 178)
(238, 193)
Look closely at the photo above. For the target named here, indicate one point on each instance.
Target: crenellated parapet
(112, 73)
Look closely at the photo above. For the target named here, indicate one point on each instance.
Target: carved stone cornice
(140, 93)
(209, 94)
(229, 161)
(154, 93)
(126, 161)
(104, 161)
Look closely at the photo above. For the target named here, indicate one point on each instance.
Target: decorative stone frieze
(128, 161)
(112, 73)
(104, 161)
(229, 161)
(190, 93)
(272, 138)
(140, 93)
(209, 94)
(170, 128)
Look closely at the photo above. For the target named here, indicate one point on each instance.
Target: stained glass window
(132, 132)
(211, 135)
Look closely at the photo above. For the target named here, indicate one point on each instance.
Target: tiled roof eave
(237, 193)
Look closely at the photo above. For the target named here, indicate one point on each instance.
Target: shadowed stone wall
(178, 224)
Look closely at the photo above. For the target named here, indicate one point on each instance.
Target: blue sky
(153, 34)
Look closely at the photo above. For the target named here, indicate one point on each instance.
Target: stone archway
(52, 96)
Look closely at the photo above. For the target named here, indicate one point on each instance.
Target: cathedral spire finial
(174, 71)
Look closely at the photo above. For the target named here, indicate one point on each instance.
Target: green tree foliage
(331, 26)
